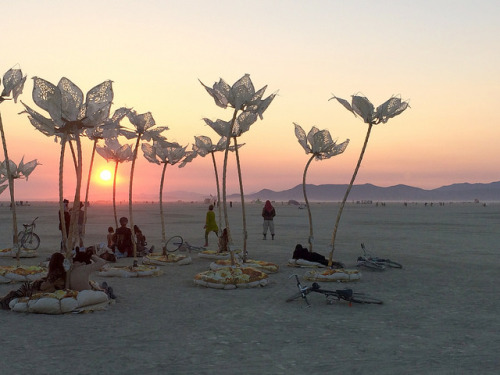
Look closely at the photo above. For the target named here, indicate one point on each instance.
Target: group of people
(84, 263)
(268, 213)
(121, 241)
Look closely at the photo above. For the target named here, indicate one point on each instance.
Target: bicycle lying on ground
(375, 263)
(28, 239)
(331, 295)
(175, 243)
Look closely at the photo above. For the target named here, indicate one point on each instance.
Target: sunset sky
(442, 56)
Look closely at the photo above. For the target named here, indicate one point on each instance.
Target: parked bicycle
(28, 239)
(175, 243)
(375, 263)
(331, 295)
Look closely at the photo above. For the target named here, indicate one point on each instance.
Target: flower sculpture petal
(13, 82)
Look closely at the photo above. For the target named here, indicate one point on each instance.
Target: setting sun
(105, 175)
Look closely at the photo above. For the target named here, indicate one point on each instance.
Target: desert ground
(440, 313)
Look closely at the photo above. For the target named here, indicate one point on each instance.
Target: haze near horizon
(436, 55)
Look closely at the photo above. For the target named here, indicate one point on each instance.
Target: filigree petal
(71, 100)
(302, 138)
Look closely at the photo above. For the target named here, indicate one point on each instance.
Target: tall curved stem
(73, 232)
(88, 185)
(163, 235)
(130, 191)
(330, 259)
(72, 148)
(114, 194)
(224, 178)
(61, 203)
(242, 195)
(311, 235)
(218, 191)
(15, 238)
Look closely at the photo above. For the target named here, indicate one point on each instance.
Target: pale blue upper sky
(441, 55)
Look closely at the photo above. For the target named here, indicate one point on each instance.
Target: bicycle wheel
(30, 241)
(174, 243)
(363, 298)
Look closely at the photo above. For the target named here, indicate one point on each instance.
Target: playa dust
(440, 312)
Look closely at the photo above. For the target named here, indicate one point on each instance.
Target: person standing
(210, 224)
(268, 213)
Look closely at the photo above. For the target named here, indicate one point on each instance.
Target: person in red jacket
(268, 213)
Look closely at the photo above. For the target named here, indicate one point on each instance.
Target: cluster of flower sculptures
(73, 116)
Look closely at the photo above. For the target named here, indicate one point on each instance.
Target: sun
(105, 175)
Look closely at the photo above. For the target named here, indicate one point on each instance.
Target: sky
(441, 56)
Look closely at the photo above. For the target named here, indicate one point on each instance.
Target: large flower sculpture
(321, 146)
(110, 129)
(248, 106)
(144, 129)
(69, 115)
(114, 151)
(23, 170)
(162, 152)
(13, 84)
(362, 107)
(10, 169)
(203, 146)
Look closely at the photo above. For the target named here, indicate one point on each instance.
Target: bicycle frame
(28, 239)
(344, 294)
(376, 262)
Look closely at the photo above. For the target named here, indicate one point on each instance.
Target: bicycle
(331, 295)
(29, 240)
(175, 243)
(375, 263)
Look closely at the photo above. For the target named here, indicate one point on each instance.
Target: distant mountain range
(462, 192)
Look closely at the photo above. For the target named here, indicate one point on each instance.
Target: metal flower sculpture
(69, 115)
(362, 107)
(114, 151)
(321, 146)
(13, 84)
(241, 96)
(110, 129)
(18, 171)
(143, 130)
(203, 146)
(162, 152)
